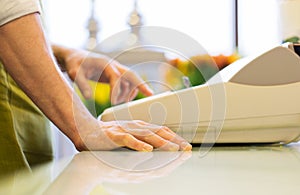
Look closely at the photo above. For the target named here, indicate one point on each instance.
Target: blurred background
(211, 23)
(227, 29)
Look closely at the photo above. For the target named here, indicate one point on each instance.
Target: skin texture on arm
(28, 58)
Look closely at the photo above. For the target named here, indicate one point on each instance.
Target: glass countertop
(217, 170)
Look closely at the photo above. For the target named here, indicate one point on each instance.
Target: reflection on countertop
(222, 170)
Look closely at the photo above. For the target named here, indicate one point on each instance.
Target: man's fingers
(168, 134)
(128, 140)
(145, 89)
(115, 90)
(132, 94)
(140, 84)
(159, 142)
(83, 85)
(142, 136)
(136, 81)
(158, 136)
(123, 92)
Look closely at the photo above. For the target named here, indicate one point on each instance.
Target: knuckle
(126, 137)
(161, 142)
(72, 73)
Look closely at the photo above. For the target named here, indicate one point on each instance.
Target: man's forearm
(28, 59)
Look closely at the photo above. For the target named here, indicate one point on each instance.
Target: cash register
(253, 100)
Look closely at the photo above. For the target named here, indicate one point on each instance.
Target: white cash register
(253, 100)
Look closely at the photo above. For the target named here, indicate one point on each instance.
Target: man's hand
(137, 135)
(83, 66)
(34, 70)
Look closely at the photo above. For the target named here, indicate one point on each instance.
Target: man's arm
(28, 58)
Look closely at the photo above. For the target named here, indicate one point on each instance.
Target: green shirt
(25, 136)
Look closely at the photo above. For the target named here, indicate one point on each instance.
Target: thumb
(84, 86)
(115, 90)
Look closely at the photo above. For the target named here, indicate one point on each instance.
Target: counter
(220, 170)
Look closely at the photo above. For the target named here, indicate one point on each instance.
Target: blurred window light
(210, 22)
